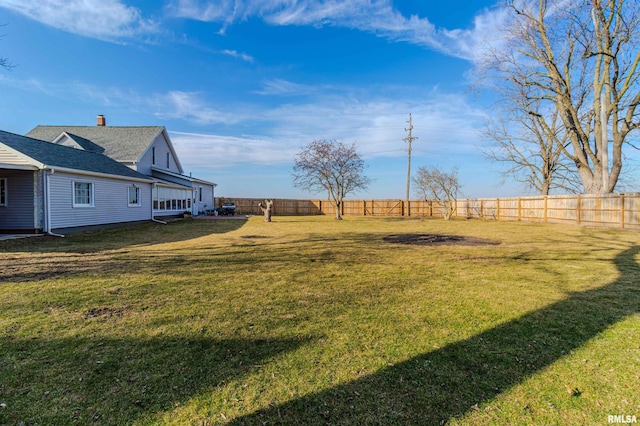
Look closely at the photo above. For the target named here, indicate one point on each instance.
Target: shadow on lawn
(103, 381)
(432, 388)
(121, 237)
(93, 251)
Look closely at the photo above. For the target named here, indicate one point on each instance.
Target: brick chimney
(101, 120)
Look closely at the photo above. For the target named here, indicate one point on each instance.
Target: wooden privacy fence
(605, 210)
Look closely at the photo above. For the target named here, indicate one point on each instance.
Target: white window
(3, 192)
(168, 199)
(134, 196)
(82, 194)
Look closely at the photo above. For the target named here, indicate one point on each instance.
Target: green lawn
(308, 320)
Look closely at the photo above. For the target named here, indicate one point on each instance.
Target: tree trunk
(338, 215)
(266, 209)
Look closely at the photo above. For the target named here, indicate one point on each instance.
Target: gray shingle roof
(122, 143)
(71, 158)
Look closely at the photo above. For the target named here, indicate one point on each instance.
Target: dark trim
(21, 231)
(173, 214)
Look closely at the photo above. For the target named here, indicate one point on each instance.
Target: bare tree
(583, 57)
(529, 143)
(440, 186)
(266, 209)
(4, 62)
(330, 166)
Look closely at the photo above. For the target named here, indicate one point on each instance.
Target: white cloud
(283, 87)
(101, 19)
(375, 16)
(472, 43)
(238, 55)
(202, 150)
(190, 107)
(446, 125)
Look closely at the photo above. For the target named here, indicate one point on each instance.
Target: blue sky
(242, 85)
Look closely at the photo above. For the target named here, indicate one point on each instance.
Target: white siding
(207, 197)
(110, 201)
(161, 146)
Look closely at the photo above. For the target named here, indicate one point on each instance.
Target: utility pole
(408, 139)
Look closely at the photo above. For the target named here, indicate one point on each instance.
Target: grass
(309, 320)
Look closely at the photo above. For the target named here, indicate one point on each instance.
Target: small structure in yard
(266, 209)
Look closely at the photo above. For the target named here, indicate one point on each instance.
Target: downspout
(195, 211)
(153, 219)
(47, 204)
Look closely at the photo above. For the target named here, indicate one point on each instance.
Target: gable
(11, 159)
(159, 154)
(65, 140)
(77, 142)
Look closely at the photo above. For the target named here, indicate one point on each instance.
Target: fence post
(519, 209)
(546, 206)
(578, 214)
(498, 209)
(622, 211)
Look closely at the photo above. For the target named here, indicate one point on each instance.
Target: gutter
(97, 174)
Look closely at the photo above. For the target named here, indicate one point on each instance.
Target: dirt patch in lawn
(437, 240)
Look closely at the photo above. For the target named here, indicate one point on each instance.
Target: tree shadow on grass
(437, 386)
(111, 381)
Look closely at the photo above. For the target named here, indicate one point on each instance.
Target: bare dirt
(437, 240)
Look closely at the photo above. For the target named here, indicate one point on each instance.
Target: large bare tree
(583, 57)
(330, 166)
(529, 141)
(435, 184)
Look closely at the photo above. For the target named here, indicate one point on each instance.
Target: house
(146, 149)
(46, 187)
(140, 157)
